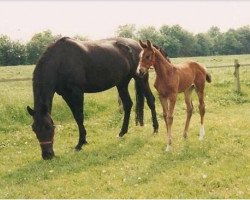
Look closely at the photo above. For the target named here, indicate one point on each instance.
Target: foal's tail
(208, 77)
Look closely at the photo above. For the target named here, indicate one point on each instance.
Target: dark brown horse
(171, 80)
(71, 68)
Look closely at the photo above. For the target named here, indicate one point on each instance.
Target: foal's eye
(148, 56)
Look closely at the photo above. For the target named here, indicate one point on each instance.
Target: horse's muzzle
(48, 155)
(47, 151)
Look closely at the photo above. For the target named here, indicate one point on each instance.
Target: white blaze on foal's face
(146, 61)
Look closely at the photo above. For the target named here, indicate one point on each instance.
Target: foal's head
(147, 58)
(43, 127)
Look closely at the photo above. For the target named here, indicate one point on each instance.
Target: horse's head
(147, 58)
(43, 127)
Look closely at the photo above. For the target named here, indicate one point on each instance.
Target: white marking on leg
(168, 148)
(202, 132)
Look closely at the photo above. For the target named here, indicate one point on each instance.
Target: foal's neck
(162, 66)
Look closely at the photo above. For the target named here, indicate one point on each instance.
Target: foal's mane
(167, 62)
(162, 52)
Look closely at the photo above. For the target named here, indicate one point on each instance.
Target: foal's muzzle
(141, 71)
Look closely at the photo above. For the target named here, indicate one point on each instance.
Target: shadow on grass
(73, 162)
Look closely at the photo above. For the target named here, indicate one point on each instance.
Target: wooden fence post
(237, 75)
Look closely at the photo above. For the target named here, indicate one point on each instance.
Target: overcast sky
(100, 19)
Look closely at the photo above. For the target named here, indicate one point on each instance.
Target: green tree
(182, 42)
(37, 45)
(243, 35)
(230, 43)
(216, 39)
(203, 45)
(80, 38)
(11, 52)
(5, 45)
(127, 31)
(149, 33)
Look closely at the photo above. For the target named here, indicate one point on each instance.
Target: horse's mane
(163, 53)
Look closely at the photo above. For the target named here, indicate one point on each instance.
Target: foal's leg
(200, 93)
(74, 99)
(190, 108)
(172, 101)
(127, 105)
(168, 109)
(164, 104)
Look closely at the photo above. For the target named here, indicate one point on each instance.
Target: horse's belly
(97, 88)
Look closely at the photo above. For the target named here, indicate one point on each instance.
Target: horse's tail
(139, 106)
(208, 77)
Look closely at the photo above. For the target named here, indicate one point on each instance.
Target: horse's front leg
(75, 99)
(168, 104)
(151, 104)
(127, 105)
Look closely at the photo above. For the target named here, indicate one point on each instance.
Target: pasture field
(136, 166)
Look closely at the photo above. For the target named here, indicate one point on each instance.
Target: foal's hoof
(185, 137)
(168, 149)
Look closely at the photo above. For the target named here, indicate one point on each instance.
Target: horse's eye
(148, 56)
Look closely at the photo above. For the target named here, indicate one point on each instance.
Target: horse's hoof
(155, 131)
(77, 148)
(120, 137)
(168, 149)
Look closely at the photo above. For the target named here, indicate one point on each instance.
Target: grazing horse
(71, 68)
(171, 80)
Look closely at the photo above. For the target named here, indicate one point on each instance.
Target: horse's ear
(144, 46)
(149, 44)
(30, 111)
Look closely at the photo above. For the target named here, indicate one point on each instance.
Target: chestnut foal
(171, 80)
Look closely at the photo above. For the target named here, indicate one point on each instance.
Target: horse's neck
(162, 66)
(43, 89)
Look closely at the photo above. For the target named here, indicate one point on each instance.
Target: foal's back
(190, 73)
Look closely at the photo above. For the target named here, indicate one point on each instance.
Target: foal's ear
(30, 111)
(144, 46)
(150, 46)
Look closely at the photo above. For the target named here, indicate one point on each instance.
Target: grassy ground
(137, 166)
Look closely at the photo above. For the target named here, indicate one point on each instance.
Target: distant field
(137, 166)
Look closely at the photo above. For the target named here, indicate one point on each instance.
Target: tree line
(175, 40)
(178, 42)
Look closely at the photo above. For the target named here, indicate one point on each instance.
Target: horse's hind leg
(139, 107)
(151, 103)
(200, 93)
(74, 99)
(127, 105)
(190, 108)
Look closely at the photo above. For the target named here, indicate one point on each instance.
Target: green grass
(137, 166)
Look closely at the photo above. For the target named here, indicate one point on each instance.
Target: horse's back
(95, 65)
